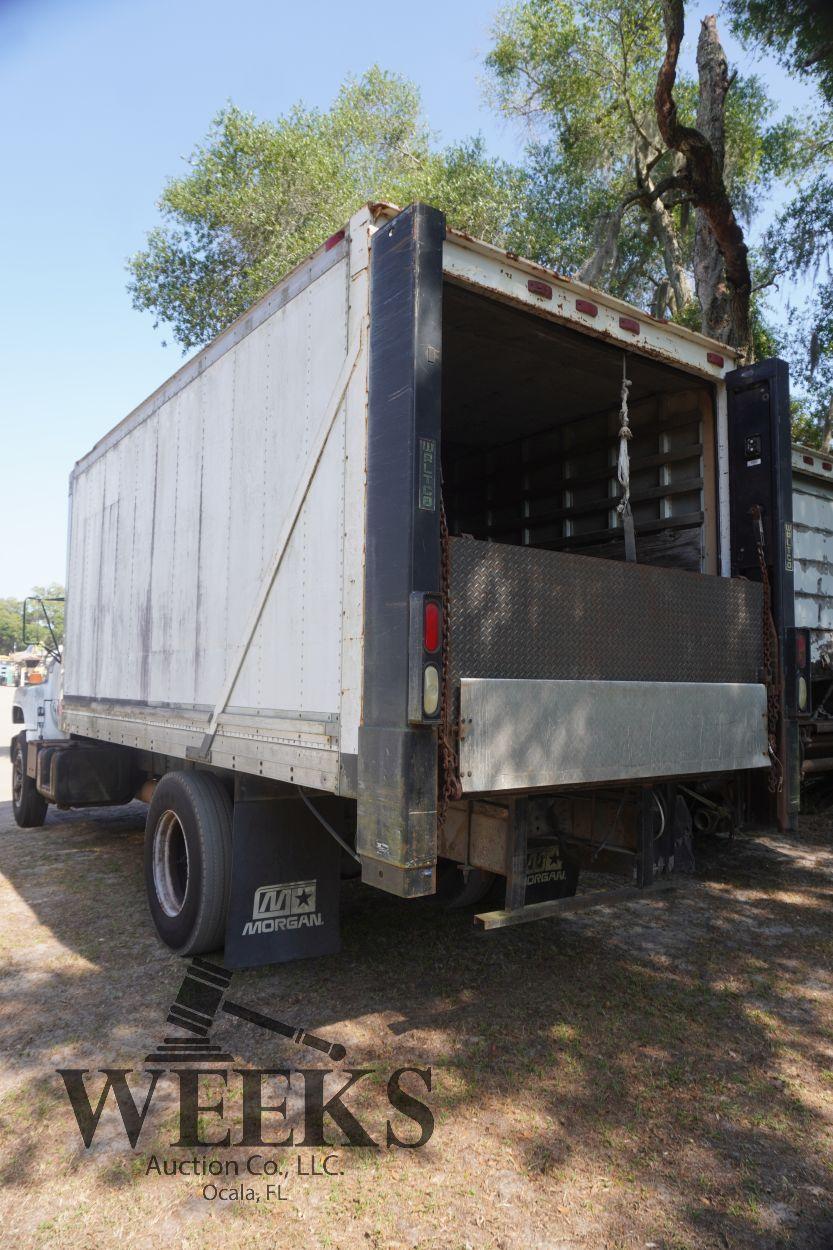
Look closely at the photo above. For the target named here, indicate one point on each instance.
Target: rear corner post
(760, 467)
(645, 839)
(397, 803)
(516, 850)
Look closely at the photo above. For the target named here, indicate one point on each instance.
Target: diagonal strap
(630, 532)
(202, 752)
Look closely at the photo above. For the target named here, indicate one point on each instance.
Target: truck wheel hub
(170, 863)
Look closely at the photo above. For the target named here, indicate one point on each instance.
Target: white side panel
(355, 496)
(215, 556)
(813, 539)
(283, 465)
(722, 421)
(175, 522)
(162, 570)
(248, 536)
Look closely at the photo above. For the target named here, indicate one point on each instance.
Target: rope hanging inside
(623, 467)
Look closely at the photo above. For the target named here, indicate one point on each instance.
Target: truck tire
(188, 861)
(28, 806)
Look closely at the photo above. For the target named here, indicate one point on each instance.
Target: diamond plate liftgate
(526, 612)
(551, 621)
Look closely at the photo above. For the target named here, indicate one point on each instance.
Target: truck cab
(36, 711)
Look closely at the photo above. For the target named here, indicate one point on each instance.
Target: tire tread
(212, 810)
(30, 813)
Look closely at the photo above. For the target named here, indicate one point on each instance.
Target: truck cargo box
(369, 542)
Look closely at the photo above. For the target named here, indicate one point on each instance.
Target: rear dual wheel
(188, 860)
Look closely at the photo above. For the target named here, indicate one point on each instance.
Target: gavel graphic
(200, 997)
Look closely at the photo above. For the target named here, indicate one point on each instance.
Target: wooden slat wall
(557, 489)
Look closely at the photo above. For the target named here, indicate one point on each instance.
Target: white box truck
(361, 575)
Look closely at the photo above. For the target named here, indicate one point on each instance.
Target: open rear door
(760, 478)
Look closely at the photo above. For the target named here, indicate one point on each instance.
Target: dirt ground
(658, 1074)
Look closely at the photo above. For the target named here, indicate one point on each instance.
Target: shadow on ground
(654, 1073)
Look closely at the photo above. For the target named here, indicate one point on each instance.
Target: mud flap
(550, 873)
(284, 900)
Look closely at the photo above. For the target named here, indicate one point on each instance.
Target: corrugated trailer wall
(175, 519)
(813, 523)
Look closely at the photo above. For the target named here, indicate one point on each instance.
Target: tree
(798, 32)
(799, 243)
(702, 176)
(11, 619)
(10, 625)
(261, 195)
(37, 628)
(619, 196)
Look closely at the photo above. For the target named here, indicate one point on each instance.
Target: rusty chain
(450, 788)
(771, 664)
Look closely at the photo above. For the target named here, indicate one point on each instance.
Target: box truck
(437, 563)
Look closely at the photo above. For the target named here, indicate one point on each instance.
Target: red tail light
(431, 623)
(800, 648)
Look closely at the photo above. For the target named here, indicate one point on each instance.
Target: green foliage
(36, 626)
(579, 75)
(11, 619)
(806, 422)
(799, 32)
(583, 74)
(259, 196)
(799, 244)
(766, 340)
(10, 625)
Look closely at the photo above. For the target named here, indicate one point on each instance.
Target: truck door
(760, 492)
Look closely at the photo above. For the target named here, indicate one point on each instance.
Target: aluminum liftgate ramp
(575, 671)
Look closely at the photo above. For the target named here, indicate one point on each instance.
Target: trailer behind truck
(812, 472)
(364, 582)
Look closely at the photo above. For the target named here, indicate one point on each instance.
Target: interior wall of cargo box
(530, 420)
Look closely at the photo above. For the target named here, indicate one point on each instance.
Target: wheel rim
(170, 863)
(17, 777)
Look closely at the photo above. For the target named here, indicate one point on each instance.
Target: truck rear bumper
(541, 734)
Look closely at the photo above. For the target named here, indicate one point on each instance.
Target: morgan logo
(544, 865)
(287, 906)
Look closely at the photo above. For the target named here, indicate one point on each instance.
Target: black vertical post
(645, 836)
(669, 836)
(760, 474)
(516, 853)
(397, 809)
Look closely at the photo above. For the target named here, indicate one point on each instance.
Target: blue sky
(101, 100)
